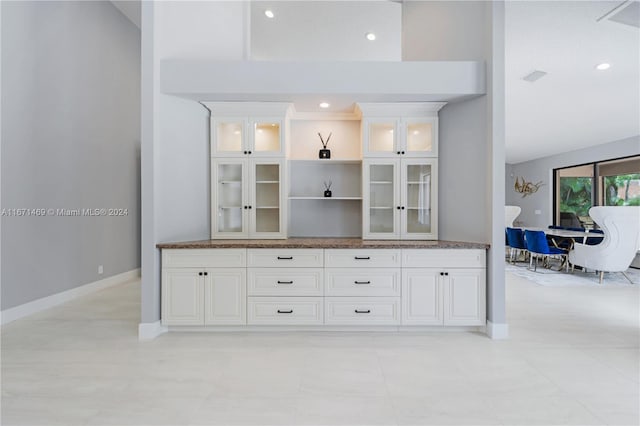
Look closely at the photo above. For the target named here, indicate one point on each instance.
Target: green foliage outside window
(622, 190)
(575, 195)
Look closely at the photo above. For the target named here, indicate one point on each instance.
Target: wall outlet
(100, 269)
(538, 211)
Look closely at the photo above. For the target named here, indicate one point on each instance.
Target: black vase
(327, 193)
(324, 153)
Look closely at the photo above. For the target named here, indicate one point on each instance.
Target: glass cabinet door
(381, 201)
(419, 180)
(266, 208)
(228, 137)
(229, 199)
(420, 137)
(380, 138)
(267, 137)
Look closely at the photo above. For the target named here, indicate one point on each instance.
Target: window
(606, 183)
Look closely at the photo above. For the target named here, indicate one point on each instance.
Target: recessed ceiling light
(370, 36)
(416, 132)
(236, 132)
(603, 66)
(324, 105)
(269, 13)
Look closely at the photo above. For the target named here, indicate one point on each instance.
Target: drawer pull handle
(368, 311)
(285, 282)
(285, 257)
(363, 258)
(290, 311)
(362, 282)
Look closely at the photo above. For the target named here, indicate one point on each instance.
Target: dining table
(576, 236)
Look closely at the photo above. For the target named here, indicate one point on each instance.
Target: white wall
(542, 170)
(176, 200)
(70, 139)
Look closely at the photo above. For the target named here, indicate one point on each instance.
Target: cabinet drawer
(362, 282)
(443, 258)
(285, 282)
(204, 258)
(285, 310)
(367, 258)
(285, 258)
(362, 310)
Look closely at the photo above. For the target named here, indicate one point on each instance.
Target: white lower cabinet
(443, 297)
(362, 310)
(182, 296)
(225, 296)
(286, 310)
(347, 287)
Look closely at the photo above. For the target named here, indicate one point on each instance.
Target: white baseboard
(33, 307)
(497, 331)
(150, 330)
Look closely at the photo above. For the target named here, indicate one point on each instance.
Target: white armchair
(621, 226)
(510, 214)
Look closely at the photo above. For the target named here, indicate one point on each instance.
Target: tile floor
(573, 358)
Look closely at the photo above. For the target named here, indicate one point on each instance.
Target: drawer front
(362, 282)
(285, 310)
(285, 282)
(285, 258)
(204, 258)
(368, 258)
(443, 258)
(362, 310)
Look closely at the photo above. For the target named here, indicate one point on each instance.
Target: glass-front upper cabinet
(400, 137)
(419, 199)
(266, 210)
(381, 199)
(229, 199)
(246, 198)
(246, 137)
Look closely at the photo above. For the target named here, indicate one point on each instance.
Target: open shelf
(329, 161)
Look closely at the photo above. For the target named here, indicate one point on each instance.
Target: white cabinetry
(196, 291)
(400, 199)
(444, 295)
(400, 137)
(285, 286)
(341, 287)
(247, 198)
(362, 286)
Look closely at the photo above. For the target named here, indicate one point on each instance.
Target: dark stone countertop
(324, 243)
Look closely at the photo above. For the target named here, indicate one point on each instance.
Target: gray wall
(542, 170)
(70, 139)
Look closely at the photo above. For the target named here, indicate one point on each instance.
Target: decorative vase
(327, 193)
(324, 154)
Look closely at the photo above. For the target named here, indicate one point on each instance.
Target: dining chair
(536, 242)
(515, 238)
(592, 241)
(621, 226)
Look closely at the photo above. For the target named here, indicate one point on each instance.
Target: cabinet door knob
(249, 152)
(402, 152)
(368, 311)
(398, 207)
(206, 274)
(245, 207)
(446, 273)
(200, 273)
(249, 207)
(402, 207)
(441, 274)
(398, 152)
(245, 152)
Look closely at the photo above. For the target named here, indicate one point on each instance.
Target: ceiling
(571, 107)
(574, 105)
